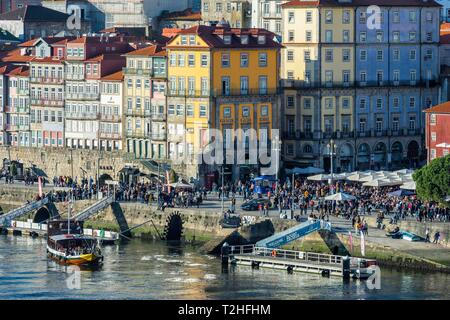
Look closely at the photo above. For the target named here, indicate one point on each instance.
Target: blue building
(397, 76)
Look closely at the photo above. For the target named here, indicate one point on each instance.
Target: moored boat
(67, 244)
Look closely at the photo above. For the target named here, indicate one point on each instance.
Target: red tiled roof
(19, 71)
(440, 108)
(150, 51)
(48, 60)
(105, 56)
(355, 3)
(4, 69)
(15, 56)
(116, 76)
(49, 40)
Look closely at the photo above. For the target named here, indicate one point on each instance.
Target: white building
(266, 14)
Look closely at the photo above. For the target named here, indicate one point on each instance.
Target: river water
(154, 270)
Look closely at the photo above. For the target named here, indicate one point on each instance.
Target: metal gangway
(94, 208)
(281, 238)
(5, 220)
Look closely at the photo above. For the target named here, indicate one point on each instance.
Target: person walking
(437, 235)
(427, 235)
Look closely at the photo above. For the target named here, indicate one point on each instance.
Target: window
(329, 16)
(412, 102)
(227, 112)
(203, 112)
(433, 119)
(244, 85)
(346, 55)
(396, 17)
(412, 55)
(396, 76)
(379, 36)
(290, 55)
(363, 76)
(346, 36)
(307, 102)
(433, 153)
(308, 16)
(379, 103)
(308, 36)
(396, 54)
(362, 36)
(412, 36)
(346, 17)
(263, 84)
(244, 60)
(362, 17)
(413, 75)
(328, 36)
(328, 103)
(396, 102)
(245, 112)
(412, 123)
(412, 16)
(291, 35)
(329, 55)
(362, 103)
(264, 110)
(227, 39)
(429, 37)
(345, 103)
(181, 60)
(362, 125)
(225, 60)
(262, 58)
(291, 17)
(363, 55)
(191, 60)
(428, 54)
(379, 124)
(379, 55)
(396, 36)
(429, 16)
(328, 77)
(346, 76)
(433, 136)
(204, 62)
(307, 55)
(395, 123)
(171, 110)
(290, 102)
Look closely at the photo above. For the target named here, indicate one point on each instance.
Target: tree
(433, 180)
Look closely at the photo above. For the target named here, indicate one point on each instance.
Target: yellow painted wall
(337, 26)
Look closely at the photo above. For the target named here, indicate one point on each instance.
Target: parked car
(253, 204)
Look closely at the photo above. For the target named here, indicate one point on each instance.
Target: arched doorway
(397, 155)
(413, 154)
(380, 156)
(42, 215)
(103, 178)
(363, 157)
(346, 156)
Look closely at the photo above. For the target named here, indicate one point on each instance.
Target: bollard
(346, 267)
(225, 253)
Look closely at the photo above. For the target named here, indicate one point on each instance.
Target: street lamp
(277, 150)
(222, 200)
(332, 152)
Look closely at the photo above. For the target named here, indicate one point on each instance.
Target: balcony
(246, 92)
(82, 96)
(82, 115)
(23, 92)
(136, 134)
(110, 117)
(48, 80)
(139, 72)
(302, 84)
(135, 112)
(188, 93)
(363, 134)
(346, 134)
(329, 135)
(158, 116)
(73, 76)
(380, 133)
(109, 135)
(159, 136)
(306, 134)
(46, 102)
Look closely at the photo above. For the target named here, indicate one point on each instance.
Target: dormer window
(261, 39)
(244, 39)
(227, 39)
(184, 40)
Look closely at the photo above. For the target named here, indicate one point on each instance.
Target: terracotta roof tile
(116, 76)
(356, 3)
(153, 50)
(440, 108)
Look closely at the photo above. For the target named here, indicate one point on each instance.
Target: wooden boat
(67, 244)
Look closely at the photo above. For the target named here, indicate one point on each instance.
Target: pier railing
(311, 257)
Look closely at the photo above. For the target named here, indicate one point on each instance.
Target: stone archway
(363, 157)
(413, 153)
(103, 178)
(42, 215)
(397, 155)
(346, 155)
(380, 156)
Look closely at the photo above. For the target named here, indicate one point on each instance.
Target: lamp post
(277, 150)
(98, 175)
(222, 193)
(332, 151)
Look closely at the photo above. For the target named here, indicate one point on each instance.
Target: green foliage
(433, 180)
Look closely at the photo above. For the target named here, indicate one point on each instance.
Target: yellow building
(223, 78)
(318, 75)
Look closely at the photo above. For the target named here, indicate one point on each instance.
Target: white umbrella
(410, 185)
(381, 183)
(357, 176)
(319, 177)
(447, 198)
(340, 197)
(404, 171)
(181, 185)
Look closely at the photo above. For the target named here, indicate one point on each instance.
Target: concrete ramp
(5, 219)
(303, 229)
(94, 208)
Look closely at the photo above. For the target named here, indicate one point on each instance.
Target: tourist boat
(67, 244)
